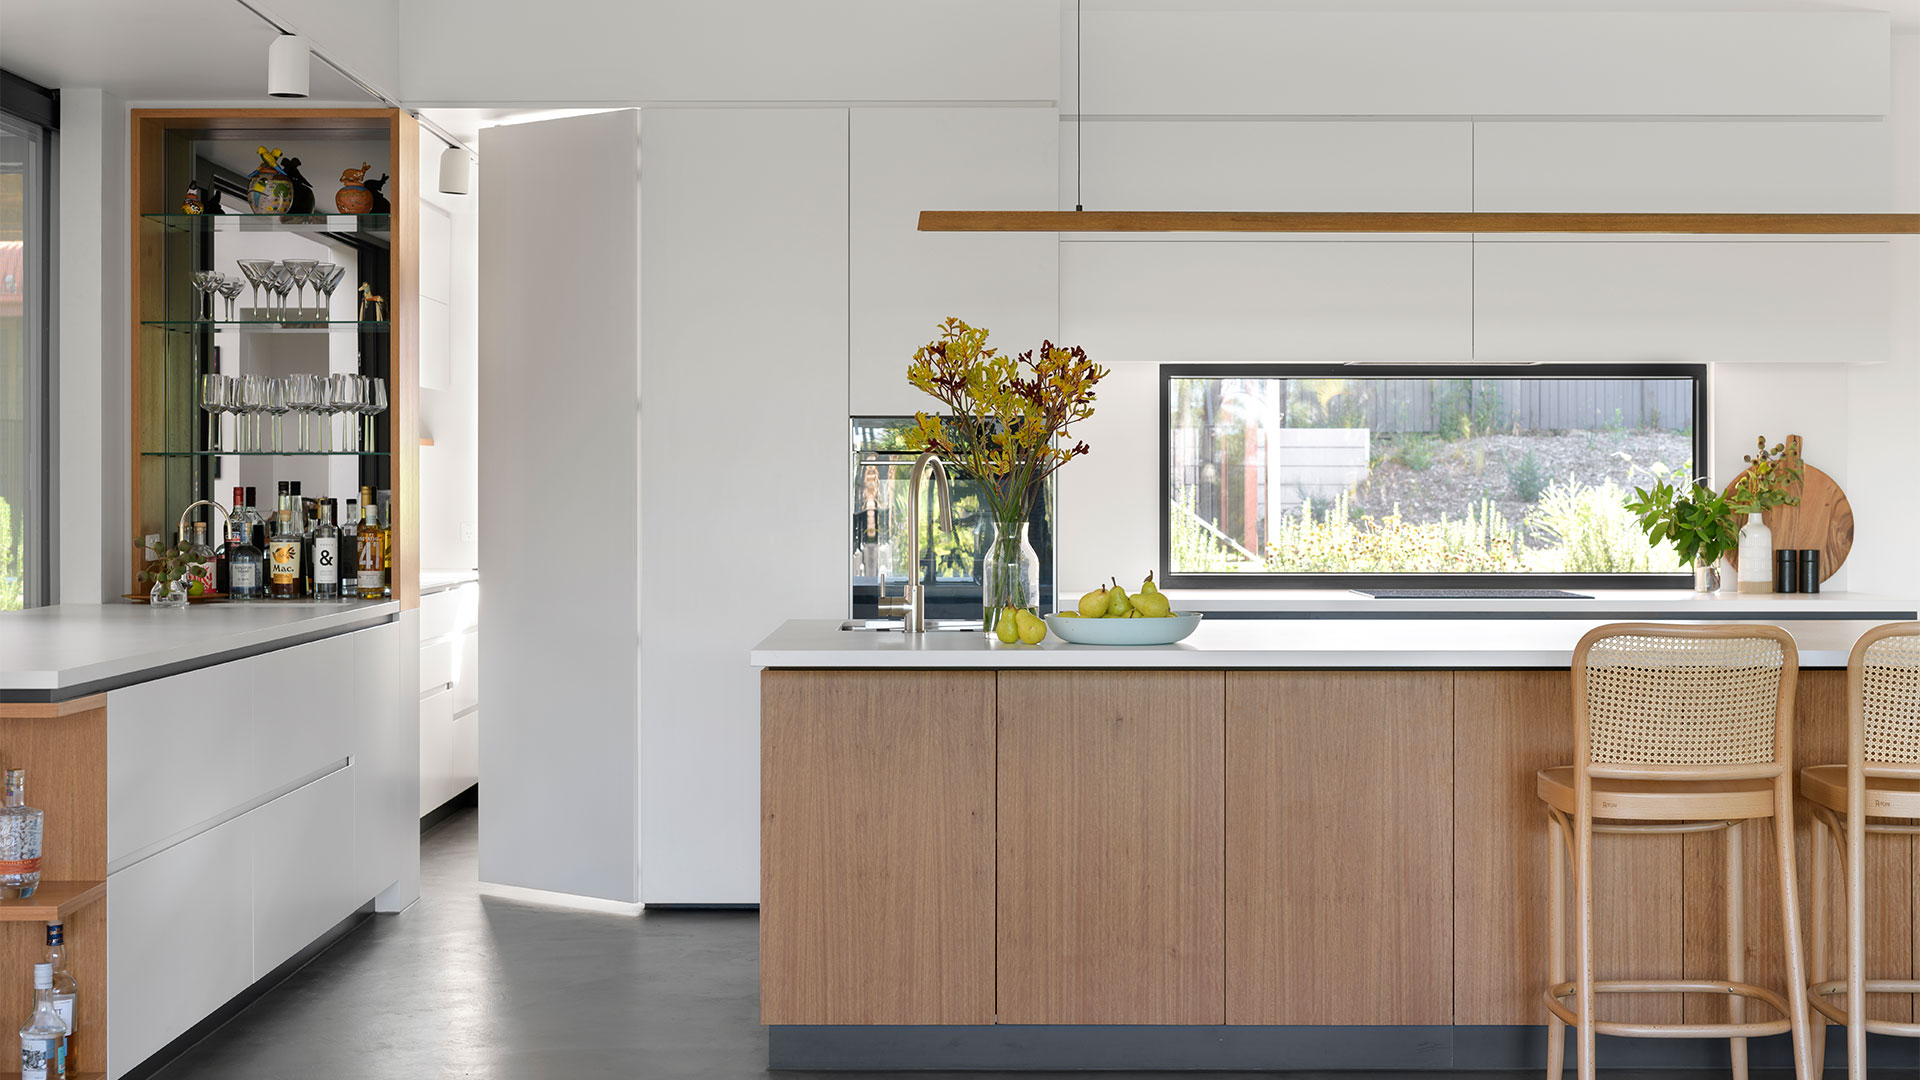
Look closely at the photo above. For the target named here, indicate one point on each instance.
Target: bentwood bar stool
(1676, 730)
(1882, 775)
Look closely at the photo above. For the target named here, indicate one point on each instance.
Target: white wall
(450, 349)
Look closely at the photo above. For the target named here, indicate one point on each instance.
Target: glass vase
(1010, 572)
(168, 594)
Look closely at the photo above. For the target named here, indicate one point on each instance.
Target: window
(1420, 476)
(26, 128)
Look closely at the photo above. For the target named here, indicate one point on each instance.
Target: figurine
(368, 296)
(268, 191)
(302, 190)
(193, 203)
(380, 203)
(353, 196)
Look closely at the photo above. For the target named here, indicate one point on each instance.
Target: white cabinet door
(302, 868)
(436, 749)
(179, 753)
(386, 760)
(902, 282)
(1767, 301)
(180, 940)
(1179, 301)
(300, 728)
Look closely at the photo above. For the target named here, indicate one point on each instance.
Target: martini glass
(325, 276)
(282, 286)
(205, 282)
(230, 288)
(256, 271)
(301, 269)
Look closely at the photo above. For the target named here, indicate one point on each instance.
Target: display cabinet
(315, 381)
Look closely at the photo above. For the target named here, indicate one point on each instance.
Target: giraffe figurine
(368, 296)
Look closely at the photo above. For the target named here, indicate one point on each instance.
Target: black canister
(1786, 576)
(1809, 561)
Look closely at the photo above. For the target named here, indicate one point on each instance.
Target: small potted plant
(1771, 478)
(1698, 522)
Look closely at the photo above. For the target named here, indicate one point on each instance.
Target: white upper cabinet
(1739, 302)
(902, 282)
(1703, 166)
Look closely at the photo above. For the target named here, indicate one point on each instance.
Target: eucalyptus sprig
(1699, 522)
(1768, 480)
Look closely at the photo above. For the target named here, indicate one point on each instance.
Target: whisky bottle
(283, 557)
(325, 549)
(350, 551)
(20, 833)
(371, 540)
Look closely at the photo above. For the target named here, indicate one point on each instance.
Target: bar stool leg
(1556, 943)
(1583, 991)
(1817, 937)
(1790, 919)
(1736, 941)
(1856, 859)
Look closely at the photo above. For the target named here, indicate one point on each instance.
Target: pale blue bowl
(1165, 631)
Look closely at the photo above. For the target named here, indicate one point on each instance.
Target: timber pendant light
(1079, 219)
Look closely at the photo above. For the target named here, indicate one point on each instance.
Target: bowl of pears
(1110, 615)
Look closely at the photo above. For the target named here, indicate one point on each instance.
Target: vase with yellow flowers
(1007, 422)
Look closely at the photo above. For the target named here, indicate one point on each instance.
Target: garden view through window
(1365, 471)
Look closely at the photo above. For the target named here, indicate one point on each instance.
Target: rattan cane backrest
(1890, 698)
(1675, 699)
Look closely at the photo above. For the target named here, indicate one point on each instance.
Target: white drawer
(448, 611)
(466, 672)
(302, 868)
(436, 664)
(466, 751)
(436, 750)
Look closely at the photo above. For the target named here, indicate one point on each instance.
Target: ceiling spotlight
(455, 177)
(287, 66)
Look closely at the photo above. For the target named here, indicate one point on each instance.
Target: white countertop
(1656, 604)
(433, 581)
(1248, 643)
(69, 646)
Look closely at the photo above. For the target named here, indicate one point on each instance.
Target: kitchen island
(1278, 844)
(237, 783)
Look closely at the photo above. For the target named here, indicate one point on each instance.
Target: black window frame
(28, 104)
(1698, 373)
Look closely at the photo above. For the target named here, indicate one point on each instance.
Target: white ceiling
(153, 50)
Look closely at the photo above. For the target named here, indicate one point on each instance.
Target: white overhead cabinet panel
(1704, 166)
(1275, 300)
(1738, 302)
(902, 282)
(1302, 165)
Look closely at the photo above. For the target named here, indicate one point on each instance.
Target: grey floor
(468, 985)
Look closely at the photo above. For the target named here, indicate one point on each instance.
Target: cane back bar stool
(1882, 774)
(1676, 730)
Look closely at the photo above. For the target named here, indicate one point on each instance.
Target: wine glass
(257, 271)
(303, 395)
(214, 390)
(347, 396)
(230, 288)
(376, 404)
(325, 277)
(204, 283)
(301, 269)
(276, 404)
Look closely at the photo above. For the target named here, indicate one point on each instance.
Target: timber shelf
(1458, 222)
(53, 901)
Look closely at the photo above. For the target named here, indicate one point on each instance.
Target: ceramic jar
(269, 191)
(1756, 556)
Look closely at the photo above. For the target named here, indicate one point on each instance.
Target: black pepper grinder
(1785, 572)
(1809, 560)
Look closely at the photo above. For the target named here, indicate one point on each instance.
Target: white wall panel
(744, 438)
(1781, 302)
(1268, 165)
(902, 282)
(1752, 166)
(1278, 300)
(1412, 63)
(386, 763)
(561, 280)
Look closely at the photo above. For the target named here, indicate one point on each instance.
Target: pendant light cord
(1079, 115)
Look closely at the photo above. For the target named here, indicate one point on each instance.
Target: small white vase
(1756, 556)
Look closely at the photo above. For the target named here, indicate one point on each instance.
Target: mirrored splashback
(879, 465)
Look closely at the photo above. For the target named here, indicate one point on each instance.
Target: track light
(287, 66)
(455, 178)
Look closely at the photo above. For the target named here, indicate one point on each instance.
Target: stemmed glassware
(282, 286)
(303, 397)
(230, 288)
(347, 395)
(325, 277)
(214, 391)
(376, 403)
(301, 269)
(276, 404)
(205, 283)
(258, 271)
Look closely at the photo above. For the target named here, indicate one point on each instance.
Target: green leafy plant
(1416, 453)
(1588, 531)
(1769, 478)
(1527, 478)
(1699, 523)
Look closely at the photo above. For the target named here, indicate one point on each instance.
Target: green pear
(1006, 629)
(1094, 604)
(1153, 605)
(1118, 603)
(1148, 586)
(1031, 629)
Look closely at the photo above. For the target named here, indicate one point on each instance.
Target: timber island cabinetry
(1273, 851)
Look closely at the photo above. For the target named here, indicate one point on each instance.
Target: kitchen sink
(933, 625)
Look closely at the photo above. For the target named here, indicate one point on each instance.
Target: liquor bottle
(43, 1038)
(20, 832)
(386, 540)
(283, 556)
(246, 569)
(65, 990)
(372, 543)
(303, 525)
(258, 534)
(200, 560)
(325, 547)
(350, 551)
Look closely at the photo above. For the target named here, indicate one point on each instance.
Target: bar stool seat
(1887, 796)
(1662, 800)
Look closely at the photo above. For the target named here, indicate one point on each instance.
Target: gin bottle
(43, 1038)
(20, 828)
(325, 546)
(65, 990)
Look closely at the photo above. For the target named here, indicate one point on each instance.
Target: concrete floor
(468, 985)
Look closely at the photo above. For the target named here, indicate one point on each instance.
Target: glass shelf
(261, 453)
(230, 222)
(272, 326)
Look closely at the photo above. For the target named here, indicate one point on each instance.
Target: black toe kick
(997, 1047)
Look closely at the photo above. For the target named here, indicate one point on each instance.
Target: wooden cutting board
(1823, 518)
